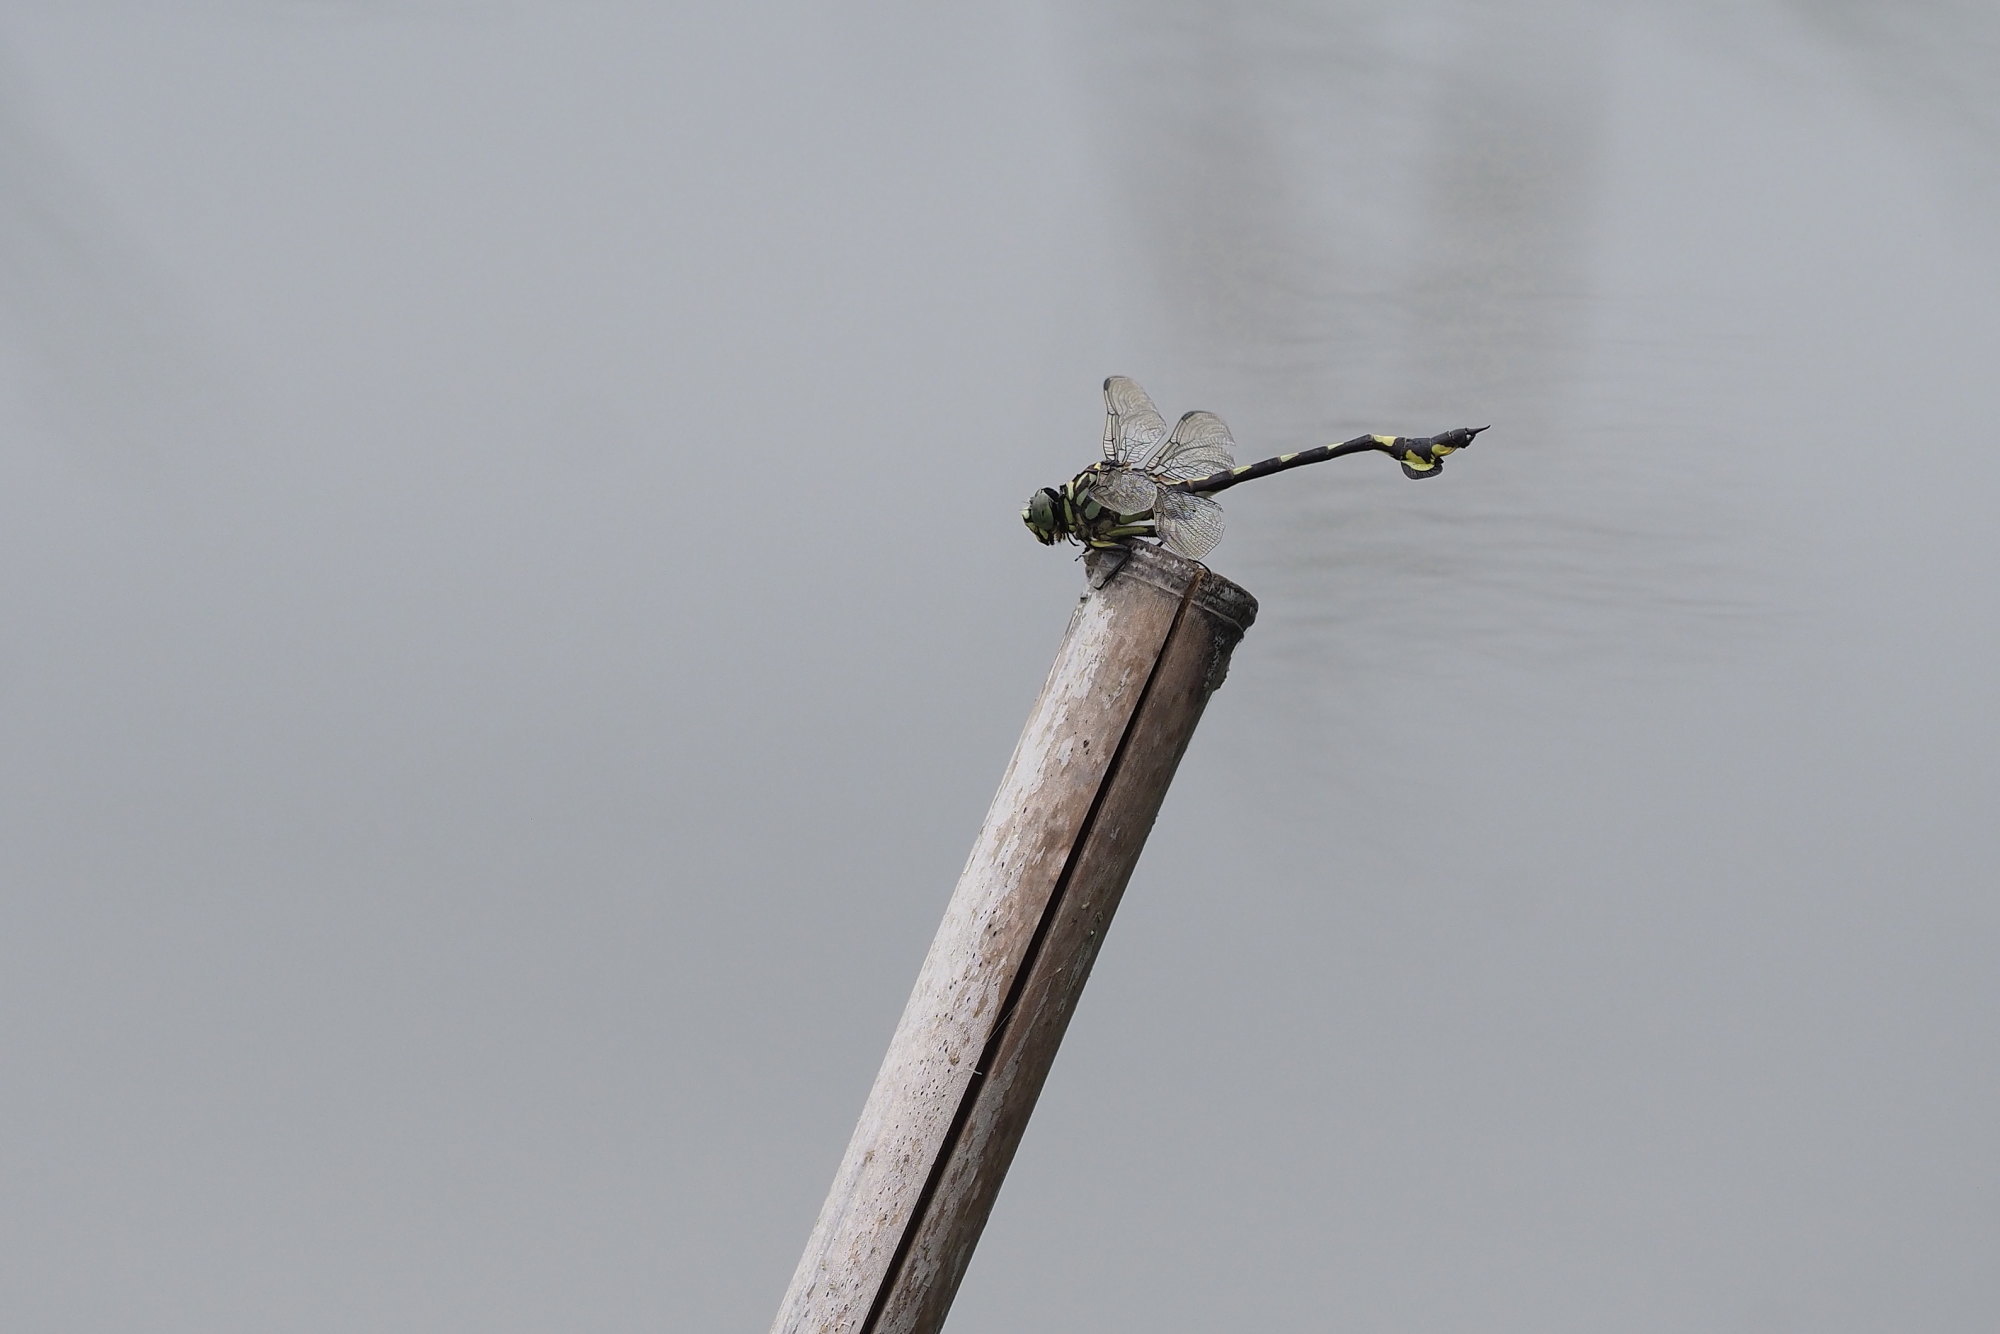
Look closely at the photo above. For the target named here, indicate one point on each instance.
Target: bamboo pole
(1148, 643)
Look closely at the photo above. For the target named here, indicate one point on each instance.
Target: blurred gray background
(514, 609)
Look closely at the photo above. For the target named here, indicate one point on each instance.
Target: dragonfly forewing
(1133, 427)
(1124, 491)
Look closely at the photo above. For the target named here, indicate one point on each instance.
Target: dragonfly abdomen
(1420, 456)
(1222, 481)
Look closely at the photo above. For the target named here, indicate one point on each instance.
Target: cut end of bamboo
(1219, 597)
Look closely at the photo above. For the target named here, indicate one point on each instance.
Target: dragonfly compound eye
(1040, 515)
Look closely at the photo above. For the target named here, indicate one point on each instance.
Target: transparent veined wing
(1188, 524)
(1133, 427)
(1124, 490)
(1200, 445)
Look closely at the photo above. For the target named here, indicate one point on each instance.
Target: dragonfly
(1154, 484)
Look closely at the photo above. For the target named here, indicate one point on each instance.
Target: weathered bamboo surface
(968, 1059)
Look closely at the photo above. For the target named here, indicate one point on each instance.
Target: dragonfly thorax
(1072, 513)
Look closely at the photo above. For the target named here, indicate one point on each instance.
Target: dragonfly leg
(1108, 537)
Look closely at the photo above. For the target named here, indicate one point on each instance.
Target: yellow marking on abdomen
(1389, 440)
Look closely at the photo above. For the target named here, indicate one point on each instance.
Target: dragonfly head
(1043, 515)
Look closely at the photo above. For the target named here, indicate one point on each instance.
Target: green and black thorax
(1071, 513)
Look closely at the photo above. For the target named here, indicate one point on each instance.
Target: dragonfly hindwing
(1200, 446)
(1188, 524)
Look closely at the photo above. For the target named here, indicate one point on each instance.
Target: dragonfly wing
(1200, 445)
(1125, 491)
(1133, 427)
(1188, 524)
